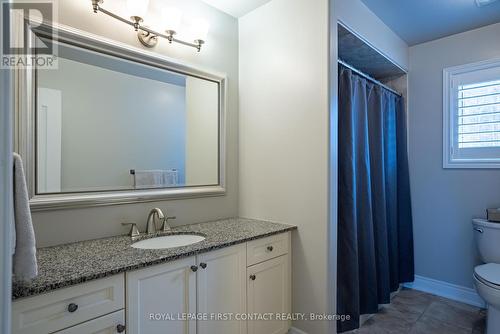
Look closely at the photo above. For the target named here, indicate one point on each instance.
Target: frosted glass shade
(171, 18)
(137, 7)
(200, 29)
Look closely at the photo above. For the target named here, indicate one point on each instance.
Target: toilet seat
(488, 274)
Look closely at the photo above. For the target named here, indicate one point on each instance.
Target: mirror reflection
(104, 123)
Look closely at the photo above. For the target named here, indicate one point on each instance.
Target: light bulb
(200, 29)
(481, 3)
(171, 18)
(137, 8)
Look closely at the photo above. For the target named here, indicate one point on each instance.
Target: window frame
(453, 157)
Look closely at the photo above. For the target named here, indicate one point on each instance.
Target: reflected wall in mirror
(104, 123)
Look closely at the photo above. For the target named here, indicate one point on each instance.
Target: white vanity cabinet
(268, 287)
(67, 307)
(232, 283)
(158, 297)
(221, 290)
(268, 293)
(212, 283)
(216, 292)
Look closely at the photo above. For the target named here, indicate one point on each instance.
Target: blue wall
(445, 200)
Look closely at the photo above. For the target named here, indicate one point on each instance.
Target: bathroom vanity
(221, 285)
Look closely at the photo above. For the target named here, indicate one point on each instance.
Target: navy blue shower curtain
(375, 236)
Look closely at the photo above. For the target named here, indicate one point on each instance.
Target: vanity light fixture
(149, 37)
(137, 10)
(482, 3)
(172, 17)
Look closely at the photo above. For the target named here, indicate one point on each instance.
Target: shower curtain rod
(366, 76)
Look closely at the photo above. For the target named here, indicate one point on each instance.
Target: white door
(109, 324)
(160, 296)
(221, 289)
(49, 140)
(269, 293)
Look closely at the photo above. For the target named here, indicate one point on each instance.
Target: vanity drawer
(67, 307)
(108, 324)
(267, 248)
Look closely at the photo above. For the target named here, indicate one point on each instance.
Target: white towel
(144, 179)
(24, 261)
(170, 177)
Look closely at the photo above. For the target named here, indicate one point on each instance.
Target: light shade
(137, 7)
(171, 18)
(481, 3)
(200, 29)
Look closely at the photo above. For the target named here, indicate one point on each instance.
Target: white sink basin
(168, 241)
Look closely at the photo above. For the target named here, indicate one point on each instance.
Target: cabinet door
(109, 324)
(221, 288)
(159, 296)
(269, 292)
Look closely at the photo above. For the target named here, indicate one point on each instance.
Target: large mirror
(110, 125)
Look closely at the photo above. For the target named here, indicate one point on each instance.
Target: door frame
(6, 216)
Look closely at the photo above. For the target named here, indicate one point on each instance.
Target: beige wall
(219, 54)
(284, 136)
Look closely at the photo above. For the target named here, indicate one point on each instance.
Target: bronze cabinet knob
(72, 307)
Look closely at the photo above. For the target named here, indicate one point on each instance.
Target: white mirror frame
(25, 108)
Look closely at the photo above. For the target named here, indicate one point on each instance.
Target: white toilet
(487, 276)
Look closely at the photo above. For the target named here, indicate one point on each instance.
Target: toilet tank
(487, 237)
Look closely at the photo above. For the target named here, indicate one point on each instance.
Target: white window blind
(479, 115)
(471, 133)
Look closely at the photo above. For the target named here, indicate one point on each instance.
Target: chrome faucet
(151, 227)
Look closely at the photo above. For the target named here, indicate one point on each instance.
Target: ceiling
(418, 21)
(236, 8)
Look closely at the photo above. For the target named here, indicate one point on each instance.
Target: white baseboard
(294, 330)
(447, 290)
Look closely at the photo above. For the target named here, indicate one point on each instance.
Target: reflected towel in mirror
(170, 178)
(144, 179)
(155, 178)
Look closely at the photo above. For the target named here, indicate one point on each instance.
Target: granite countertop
(69, 264)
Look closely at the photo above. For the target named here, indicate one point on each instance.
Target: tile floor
(415, 312)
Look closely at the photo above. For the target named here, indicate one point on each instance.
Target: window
(472, 116)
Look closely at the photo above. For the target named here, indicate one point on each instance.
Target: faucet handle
(134, 231)
(165, 227)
